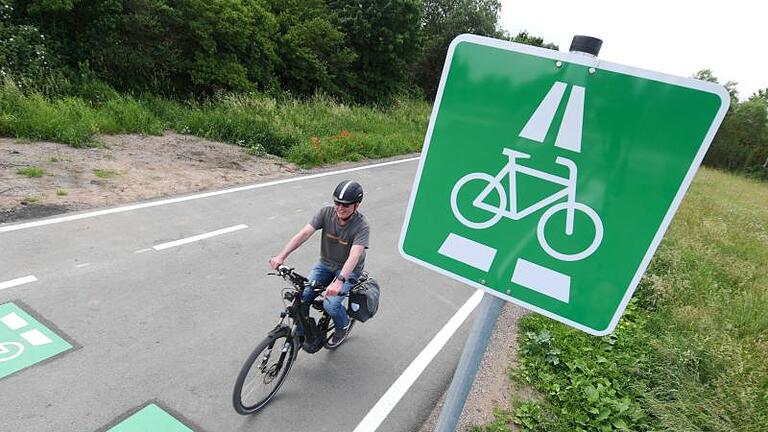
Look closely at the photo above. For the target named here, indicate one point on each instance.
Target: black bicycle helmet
(348, 192)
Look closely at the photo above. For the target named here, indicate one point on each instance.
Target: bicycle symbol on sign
(507, 202)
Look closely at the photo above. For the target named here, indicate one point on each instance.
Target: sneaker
(338, 337)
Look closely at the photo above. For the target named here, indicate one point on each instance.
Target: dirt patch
(127, 169)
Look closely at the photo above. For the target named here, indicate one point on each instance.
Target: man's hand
(334, 288)
(276, 261)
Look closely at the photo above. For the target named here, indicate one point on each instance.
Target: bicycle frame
(512, 168)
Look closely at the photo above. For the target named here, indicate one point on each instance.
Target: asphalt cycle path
(105, 313)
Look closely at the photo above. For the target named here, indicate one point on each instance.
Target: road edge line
(397, 390)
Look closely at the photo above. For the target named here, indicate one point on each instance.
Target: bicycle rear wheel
(263, 373)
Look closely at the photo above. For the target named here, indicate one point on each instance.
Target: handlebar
(297, 280)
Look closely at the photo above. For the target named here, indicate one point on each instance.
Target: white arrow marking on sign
(538, 125)
(569, 135)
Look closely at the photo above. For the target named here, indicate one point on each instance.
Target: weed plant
(31, 171)
(690, 352)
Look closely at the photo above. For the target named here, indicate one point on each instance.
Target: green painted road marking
(150, 419)
(24, 341)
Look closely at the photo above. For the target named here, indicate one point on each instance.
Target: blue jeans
(324, 276)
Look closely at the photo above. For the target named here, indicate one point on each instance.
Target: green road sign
(151, 418)
(24, 341)
(548, 179)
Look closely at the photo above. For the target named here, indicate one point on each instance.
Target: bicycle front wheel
(263, 373)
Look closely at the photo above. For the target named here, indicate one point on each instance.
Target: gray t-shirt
(337, 239)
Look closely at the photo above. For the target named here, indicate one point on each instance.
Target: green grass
(61, 192)
(689, 354)
(104, 173)
(309, 132)
(31, 171)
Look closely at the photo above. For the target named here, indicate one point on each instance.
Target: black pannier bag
(364, 300)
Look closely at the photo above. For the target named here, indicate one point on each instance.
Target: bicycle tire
(278, 376)
(349, 331)
(589, 250)
(495, 215)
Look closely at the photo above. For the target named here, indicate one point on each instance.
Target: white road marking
(17, 282)
(143, 250)
(79, 216)
(397, 390)
(83, 265)
(199, 237)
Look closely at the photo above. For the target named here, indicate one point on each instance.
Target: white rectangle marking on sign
(468, 251)
(541, 279)
(13, 321)
(17, 282)
(36, 337)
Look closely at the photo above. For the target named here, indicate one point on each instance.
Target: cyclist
(344, 240)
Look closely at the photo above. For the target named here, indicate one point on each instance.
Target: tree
(383, 34)
(442, 21)
(23, 50)
(311, 53)
(741, 143)
(525, 38)
(730, 86)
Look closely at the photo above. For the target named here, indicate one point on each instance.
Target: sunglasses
(345, 205)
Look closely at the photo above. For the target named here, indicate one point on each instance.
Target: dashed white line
(199, 237)
(17, 282)
(143, 250)
(397, 390)
(83, 265)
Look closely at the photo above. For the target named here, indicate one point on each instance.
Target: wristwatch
(341, 278)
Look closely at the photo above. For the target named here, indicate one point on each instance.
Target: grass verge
(309, 133)
(689, 354)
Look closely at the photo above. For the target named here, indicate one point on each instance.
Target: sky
(677, 37)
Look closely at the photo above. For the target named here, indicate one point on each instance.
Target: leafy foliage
(384, 36)
(442, 21)
(741, 143)
(23, 53)
(589, 383)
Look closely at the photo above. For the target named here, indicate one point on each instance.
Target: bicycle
(271, 360)
(571, 206)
